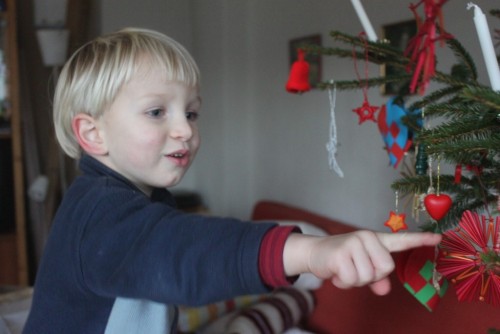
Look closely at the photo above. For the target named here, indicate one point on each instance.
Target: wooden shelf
(13, 245)
(8, 259)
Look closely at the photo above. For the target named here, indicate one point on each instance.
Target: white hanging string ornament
(331, 145)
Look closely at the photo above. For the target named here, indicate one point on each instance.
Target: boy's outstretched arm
(352, 259)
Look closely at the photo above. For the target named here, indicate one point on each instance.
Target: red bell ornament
(298, 81)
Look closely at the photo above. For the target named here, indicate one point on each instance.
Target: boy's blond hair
(93, 76)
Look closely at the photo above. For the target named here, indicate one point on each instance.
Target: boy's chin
(171, 183)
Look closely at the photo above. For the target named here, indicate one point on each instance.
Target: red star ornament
(396, 222)
(366, 112)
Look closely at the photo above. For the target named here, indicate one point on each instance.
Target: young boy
(120, 256)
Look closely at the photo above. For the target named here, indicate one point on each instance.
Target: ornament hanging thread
(396, 221)
(436, 204)
(366, 112)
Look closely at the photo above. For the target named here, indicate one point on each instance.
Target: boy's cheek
(195, 145)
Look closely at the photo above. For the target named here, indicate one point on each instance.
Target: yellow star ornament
(396, 222)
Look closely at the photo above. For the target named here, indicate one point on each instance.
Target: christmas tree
(468, 135)
(462, 205)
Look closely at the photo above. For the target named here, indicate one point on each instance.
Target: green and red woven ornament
(415, 269)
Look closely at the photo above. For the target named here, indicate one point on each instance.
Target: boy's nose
(181, 129)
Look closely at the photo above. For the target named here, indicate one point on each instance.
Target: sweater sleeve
(271, 267)
(129, 247)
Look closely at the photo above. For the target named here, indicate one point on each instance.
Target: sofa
(358, 310)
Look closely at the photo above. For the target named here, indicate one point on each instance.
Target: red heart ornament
(437, 205)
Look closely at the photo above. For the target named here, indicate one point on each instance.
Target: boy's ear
(88, 135)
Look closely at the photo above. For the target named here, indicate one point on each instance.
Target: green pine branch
(465, 61)
(484, 95)
(468, 134)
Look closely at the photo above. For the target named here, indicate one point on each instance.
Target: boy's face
(150, 130)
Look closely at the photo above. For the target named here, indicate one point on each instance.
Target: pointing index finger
(400, 242)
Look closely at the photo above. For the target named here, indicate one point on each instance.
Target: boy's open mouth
(180, 158)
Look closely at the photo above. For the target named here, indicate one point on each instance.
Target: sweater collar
(91, 166)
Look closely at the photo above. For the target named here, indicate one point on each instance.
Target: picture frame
(397, 35)
(315, 66)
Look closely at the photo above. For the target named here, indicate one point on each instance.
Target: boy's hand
(353, 259)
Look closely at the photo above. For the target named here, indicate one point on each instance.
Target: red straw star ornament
(470, 258)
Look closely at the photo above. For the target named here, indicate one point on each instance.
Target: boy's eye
(158, 112)
(192, 115)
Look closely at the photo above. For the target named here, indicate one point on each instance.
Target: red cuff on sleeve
(271, 267)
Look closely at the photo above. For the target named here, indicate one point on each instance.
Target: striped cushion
(276, 313)
(192, 318)
(280, 311)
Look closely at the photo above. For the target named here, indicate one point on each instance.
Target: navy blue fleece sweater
(116, 260)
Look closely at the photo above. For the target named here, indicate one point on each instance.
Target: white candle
(365, 22)
(490, 58)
